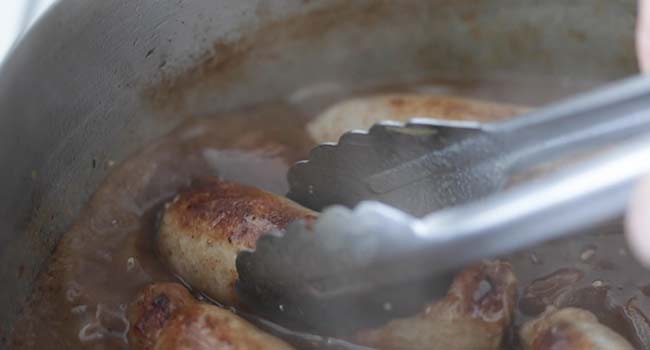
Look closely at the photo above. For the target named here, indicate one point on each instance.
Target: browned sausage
(166, 317)
(475, 315)
(363, 112)
(204, 228)
(570, 329)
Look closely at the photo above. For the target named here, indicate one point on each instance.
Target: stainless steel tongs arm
(553, 206)
(359, 259)
(549, 208)
(558, 204)
(611, 114)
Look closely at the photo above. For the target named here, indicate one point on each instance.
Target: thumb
(638, 223)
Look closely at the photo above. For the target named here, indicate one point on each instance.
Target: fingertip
(643, 36)
(637, 223)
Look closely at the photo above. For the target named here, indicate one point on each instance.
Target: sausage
(474, 315)
(363, 112)
(570, 329)
(202, 230)
(165, 316)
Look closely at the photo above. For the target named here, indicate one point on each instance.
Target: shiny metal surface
(94, 80)
(428, 165)
(352, 262)
(418, 167)
(454, 172)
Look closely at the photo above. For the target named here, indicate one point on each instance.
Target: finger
(643, 35)
(638, 223)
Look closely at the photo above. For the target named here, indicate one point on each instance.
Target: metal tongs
(429, 197)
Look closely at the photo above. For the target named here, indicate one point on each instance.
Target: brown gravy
(108, 255)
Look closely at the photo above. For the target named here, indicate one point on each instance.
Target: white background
(15, 17)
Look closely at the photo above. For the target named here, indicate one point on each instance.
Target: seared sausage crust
(570, 329)
(204, 228)
(165, 316)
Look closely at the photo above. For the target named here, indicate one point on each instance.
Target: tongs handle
(351, 261)
(611, 114)
(561, 203)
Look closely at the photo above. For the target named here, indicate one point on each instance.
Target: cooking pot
(95, 80)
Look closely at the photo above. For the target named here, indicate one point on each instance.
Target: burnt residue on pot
(226, 60)
(439, 39)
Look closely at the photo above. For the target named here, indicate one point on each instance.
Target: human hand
(638, 216)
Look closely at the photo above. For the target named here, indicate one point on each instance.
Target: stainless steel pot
(94, 80)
